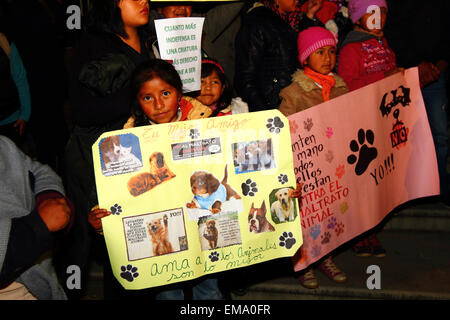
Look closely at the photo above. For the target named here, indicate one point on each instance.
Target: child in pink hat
(312, 85)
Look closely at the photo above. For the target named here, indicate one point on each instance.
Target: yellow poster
(197, 197)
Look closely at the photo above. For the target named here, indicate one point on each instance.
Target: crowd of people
(257, 55)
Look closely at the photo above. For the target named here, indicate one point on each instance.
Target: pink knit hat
(358, 8)
(311, 39)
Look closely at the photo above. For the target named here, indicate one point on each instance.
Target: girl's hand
(312, 8)
(95, 218)
(297, 193)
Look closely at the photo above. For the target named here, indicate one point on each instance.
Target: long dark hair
(151, 69)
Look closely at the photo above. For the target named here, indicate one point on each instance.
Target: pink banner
(359, 156)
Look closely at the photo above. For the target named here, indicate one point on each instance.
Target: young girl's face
(211, 89)
(159, 100)
(322, 60)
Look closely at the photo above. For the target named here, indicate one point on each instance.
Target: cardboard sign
(179, 40)
(197, 197)
(359, 156)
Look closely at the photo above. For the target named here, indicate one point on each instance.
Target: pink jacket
(361, 63)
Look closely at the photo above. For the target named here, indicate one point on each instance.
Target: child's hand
(312, 8)
(297, 193)
(95, 218)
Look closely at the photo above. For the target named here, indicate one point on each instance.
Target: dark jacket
(266, 57)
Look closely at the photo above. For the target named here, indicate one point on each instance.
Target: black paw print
(275, 125)
(325, 237)
(249, 188)
(129, 272)
(283, 178)
(366, 154)
(194, 134)
(214, 256)
(116, 209)
(287, 240)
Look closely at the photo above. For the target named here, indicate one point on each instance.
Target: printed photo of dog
(159, 172)
(253, 156)
(209, 192)
(211, 233)
(159, 233)
(284, 206)
(257, 221)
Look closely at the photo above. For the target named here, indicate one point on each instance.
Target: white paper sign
(179, 40)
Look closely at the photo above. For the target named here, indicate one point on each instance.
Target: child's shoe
(332, 271)
(363, 248)
(376, 247)
(308, 279)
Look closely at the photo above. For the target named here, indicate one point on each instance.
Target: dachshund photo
(209, 192)
(159, 172)
(283, 207)
(257, 220)
(159, 234)
(211, 233)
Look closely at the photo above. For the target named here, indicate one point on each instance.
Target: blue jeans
(206, 289)
(436, 104)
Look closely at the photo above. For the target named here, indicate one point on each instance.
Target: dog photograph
(155, 234)
(218, 231)
(211, 194)
(283, 206)
(159, 172)
(257, 220)
(253, 156)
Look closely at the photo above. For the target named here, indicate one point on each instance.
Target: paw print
(315, 251)
(339, 229)
(315, 231)
(332, 223)
(344, 207)
(325, 237)
(116, 209)
(329, 156)
(129, 272)
(283, 178)
(308, 124)
(287, 240)
(340, 171)
(214, 256)
(194, 134)
(366, 154)
(329, 132)
(293, 125)
(249, 188)
(274, 125)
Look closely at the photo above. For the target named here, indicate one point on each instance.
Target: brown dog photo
(211, 233)
(283, 208)
(159, 173)
(159, 234)
(209, 192)
(257, 220)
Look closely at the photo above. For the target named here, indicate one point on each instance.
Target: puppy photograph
(159, 168)
(159, 234)
(257, 221)
(218, 231)
(209, 192)
(283, 207)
